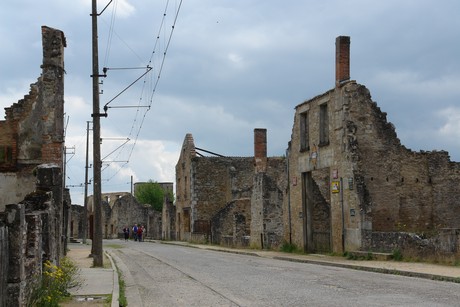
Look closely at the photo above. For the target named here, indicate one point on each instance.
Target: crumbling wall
(269, 185)
(127, 211)
(183, 188)
(409, 191)
(231, 225)
(408, 199)
(168, 225)
(33, 130)
(216, 181)
(33, 230)
(76, 221)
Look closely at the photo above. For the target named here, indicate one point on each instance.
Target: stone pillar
(3, 262)
(49, 178)
(342, 59)
(52, 95)
(15, 221)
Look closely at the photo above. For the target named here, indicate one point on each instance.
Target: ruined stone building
(33, 201)
(120, 209)
(353, 186)
(230, 200)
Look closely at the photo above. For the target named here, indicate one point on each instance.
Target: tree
(150, 193)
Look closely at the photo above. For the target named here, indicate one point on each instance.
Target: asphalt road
(168, 275)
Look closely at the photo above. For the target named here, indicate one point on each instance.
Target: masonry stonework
(33, 130)
(233, 201)
(375, 194)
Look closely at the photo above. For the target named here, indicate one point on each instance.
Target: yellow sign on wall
(335, 186)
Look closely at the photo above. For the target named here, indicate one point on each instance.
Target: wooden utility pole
(85, 210)
(96, 248)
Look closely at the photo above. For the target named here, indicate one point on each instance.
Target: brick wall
(342, 59)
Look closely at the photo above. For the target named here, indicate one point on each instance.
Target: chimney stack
(260, 149)
(342, 59)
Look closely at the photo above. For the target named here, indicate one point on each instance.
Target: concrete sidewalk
(98, 285)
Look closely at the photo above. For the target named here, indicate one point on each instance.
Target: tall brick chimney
(342, 59)
(260, 149)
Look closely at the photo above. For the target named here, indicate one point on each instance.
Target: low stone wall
(442, 246)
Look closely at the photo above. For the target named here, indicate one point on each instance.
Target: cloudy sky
(232, 66)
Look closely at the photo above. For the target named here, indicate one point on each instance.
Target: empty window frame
(304, 132)
(323, 125)
(6, 154)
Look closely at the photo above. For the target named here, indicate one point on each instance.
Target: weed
(397, 255)
(122, 288)
(114, 246)
(51, 287)
(289, 248)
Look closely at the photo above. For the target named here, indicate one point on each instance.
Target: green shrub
(289, 248)
(51, 287)
(397, 255)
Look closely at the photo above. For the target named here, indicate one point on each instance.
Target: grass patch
(355, 256)
(122, 288)
(122, 299)
(114, 246)
(397, 255)
(289, 248)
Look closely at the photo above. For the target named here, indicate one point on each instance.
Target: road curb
(373, 269)
(116, 285)
(131, 291)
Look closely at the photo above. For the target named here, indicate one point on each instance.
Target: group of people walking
(137, 231)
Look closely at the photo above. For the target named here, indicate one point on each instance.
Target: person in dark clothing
(139, 234)
(126, 232)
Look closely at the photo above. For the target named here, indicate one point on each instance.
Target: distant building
(230, 200)
(120, 209)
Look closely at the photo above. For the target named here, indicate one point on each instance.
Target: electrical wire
(146, 75)
(111, 31)
(159, 75)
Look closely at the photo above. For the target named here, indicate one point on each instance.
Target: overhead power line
(152, 74)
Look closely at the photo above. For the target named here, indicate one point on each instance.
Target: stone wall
(76, 222)
(216, 181)
(444, 245)
(230, 200)
(122, 211)
(402, 190)
(4, 254)
(345, 154)
(33, 230)
(231, 225)
(269, 186)
(168, 219)
(183, 188)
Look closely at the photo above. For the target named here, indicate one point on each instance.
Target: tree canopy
(150, 193)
